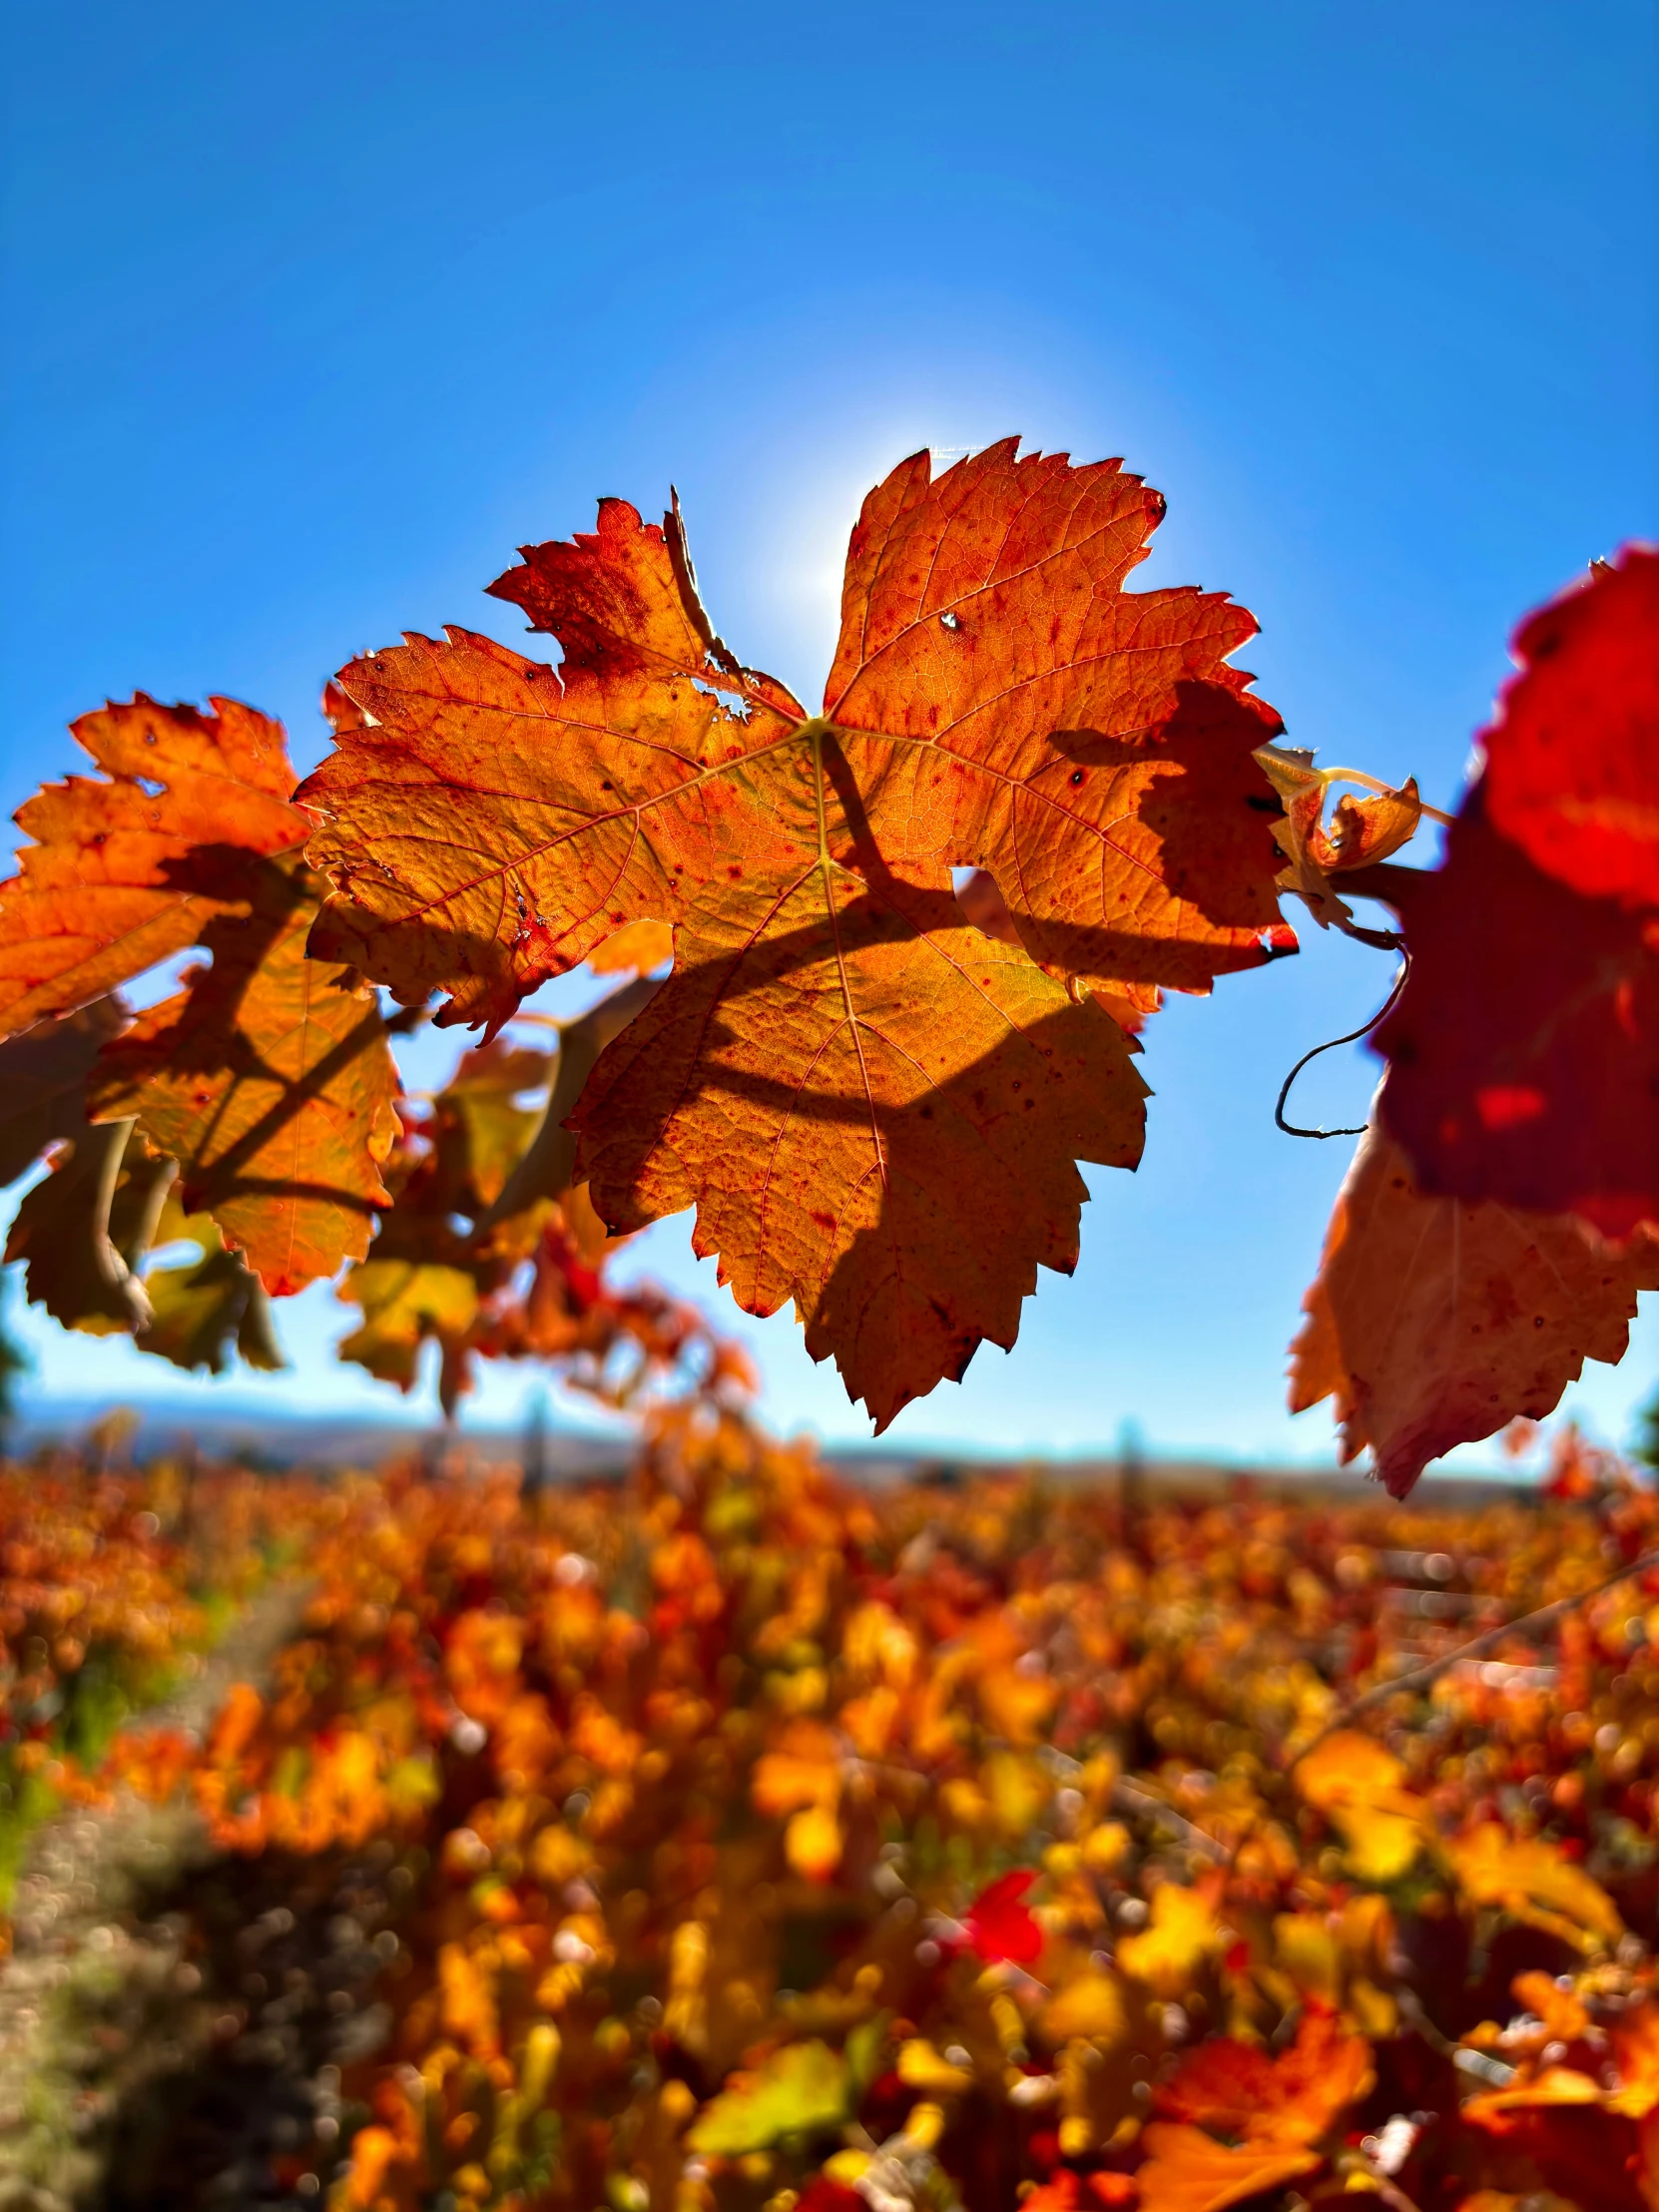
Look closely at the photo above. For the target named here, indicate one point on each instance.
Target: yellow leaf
(813, 1842)
(1089, 2007)
(922, 2068)
(1167, 1955)
(1531, 1881)
(1357, 1784)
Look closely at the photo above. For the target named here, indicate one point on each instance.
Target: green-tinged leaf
(478, 1133)
(404, 1302)
(84, 1230)
(203, 1308)
(43, 1078)
(801, 2090)
(544, 1170)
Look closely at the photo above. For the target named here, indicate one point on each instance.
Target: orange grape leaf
(270, 1080)
(1362, 830)
(1636, 2053)
(997, 700)
(983, 904)
(1292, 2099)
(839, 1075)
(1555, 2085)
(1432, 1322)
(128, 868)
(1523, 1054)
(1572, 755)
(43, 1081)
(635, 950)
(1189, 2171)
(898, 1176)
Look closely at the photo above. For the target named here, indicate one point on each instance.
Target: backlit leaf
(1572, 758)
(1292, 2099)
(203, 1309)
(1432, 1322)
(1524, 1054)
(636, 949)
(270, 1080)
(1189, 2171)
(1362, 830)
(874, 1110)
(127, 868)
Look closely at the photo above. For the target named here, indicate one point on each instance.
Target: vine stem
(1141, 1804)
(1385, 790)
(1421, 1677)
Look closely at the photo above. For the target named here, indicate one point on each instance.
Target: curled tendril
(1293, 1129)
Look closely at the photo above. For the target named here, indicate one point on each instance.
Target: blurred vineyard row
(739, 1842)
(113, 1585)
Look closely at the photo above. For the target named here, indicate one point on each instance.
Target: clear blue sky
(313, 312)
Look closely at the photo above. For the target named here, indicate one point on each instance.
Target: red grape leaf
(1000, 1924)
(1572, 758)
(270, 1080)
(1434, 1322)
(1523, 1054)
(998, 701)
(128, 868)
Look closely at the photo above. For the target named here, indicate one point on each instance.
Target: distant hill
(266, 1436)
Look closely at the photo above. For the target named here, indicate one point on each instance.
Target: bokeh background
(312, 313)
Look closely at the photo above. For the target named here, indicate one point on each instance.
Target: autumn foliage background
(740, 1839)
